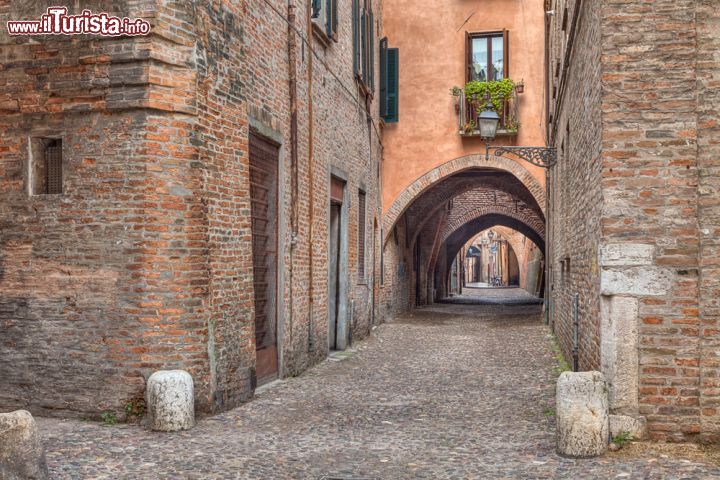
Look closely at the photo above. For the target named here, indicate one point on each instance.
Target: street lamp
(488, 122)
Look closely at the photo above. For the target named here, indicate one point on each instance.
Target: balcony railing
(468, 111)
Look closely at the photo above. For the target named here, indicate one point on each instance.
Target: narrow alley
(451, 391)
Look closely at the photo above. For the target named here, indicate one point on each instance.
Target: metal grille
(263, 200)
(361, 235)
(53, 167)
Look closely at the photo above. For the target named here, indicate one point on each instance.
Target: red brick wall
(575, 183)
(145, 261)
(708, 84)
(653, 225)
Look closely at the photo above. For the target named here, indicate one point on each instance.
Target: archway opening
(428, 241)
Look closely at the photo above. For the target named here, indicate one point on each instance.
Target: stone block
(22, 456)
(582, 414)
(170, 401)
(636, 427)
(641, 280)
(619, 351)
(626, 254)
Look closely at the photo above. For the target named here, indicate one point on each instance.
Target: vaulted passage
(480, 226)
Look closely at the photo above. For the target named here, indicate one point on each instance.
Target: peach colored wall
(432, 60)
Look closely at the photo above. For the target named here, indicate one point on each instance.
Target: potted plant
(469, 127)
(520, 87)
(457, 93)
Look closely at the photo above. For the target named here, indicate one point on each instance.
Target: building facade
(635, 210)
(182, 199)
(440, 190)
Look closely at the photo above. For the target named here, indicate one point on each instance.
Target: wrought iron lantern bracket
(545, 157)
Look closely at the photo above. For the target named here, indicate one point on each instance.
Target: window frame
(324, 15)
(489, 35)
(364, 45)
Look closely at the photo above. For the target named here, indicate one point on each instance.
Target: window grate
(53, 167)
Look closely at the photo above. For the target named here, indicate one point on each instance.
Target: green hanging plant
(477, 92)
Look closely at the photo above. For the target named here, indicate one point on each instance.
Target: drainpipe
(292, 66)
(311, 177)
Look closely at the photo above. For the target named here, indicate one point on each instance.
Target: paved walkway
(477, 294)
(454, 391)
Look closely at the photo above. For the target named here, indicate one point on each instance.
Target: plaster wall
(431, 39)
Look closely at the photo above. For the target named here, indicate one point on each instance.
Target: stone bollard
(582, 414)
(170, 401)
(22, 455)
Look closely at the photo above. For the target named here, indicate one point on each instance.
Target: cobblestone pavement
(453, 391)
(478, 294)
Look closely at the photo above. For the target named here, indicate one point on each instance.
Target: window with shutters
(46, 166)
(389, 84)
(325, 17)
(364, 44)
(361, 236)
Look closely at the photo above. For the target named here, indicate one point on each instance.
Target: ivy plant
(497, 90)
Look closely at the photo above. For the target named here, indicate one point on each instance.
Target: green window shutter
(356, 37)
(335, 18)
(392, 112)
(383, 77)
(331, 18)
(371, 47)
(316, 8)
(363, 46)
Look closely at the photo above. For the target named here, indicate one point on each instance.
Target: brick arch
(460, 235)
(466, 215)
(419, 186)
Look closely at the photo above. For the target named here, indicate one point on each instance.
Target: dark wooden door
(334, 275)
(264, 158)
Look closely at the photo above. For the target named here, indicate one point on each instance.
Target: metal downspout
(311, 177)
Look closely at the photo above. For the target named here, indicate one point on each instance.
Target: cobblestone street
(453, 391)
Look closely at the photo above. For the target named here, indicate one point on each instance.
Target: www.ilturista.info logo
(56, 21)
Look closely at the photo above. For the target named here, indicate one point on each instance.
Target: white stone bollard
(170, 401)
(582, 414)
(22, 455)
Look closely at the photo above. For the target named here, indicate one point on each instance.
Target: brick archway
(459, 236)
(453, 167)
(465, 216)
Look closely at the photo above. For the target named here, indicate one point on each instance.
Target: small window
(487, 56)
(46, 166)
(361, 235)
(325, 14)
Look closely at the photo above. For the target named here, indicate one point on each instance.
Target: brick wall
(646, 265)
(144, 262)
(575, 190)
(708, 132)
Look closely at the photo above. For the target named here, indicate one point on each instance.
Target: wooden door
(264, 158)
